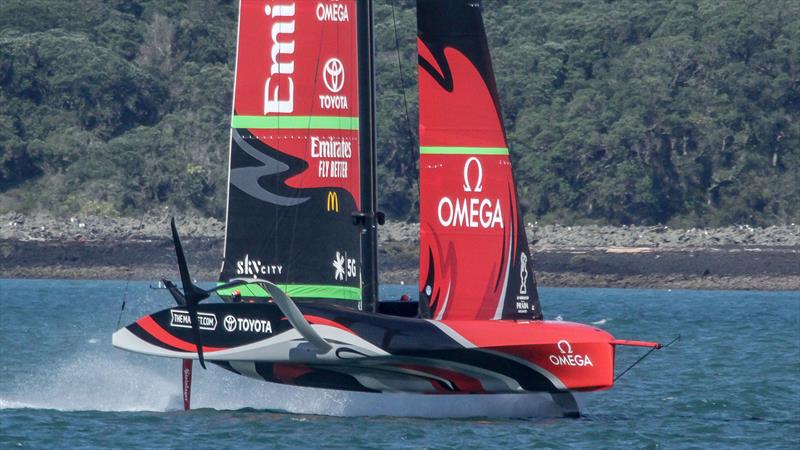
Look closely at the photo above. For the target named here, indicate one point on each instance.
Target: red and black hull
(383, 353)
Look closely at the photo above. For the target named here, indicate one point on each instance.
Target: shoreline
(735, 269)
(737, 258)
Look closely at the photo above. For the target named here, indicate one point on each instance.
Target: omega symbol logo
(564, 347)
(567, 358)
(230, 323)
(479, 181)
(333, 75)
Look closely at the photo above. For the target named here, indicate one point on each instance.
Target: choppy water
(733, 380)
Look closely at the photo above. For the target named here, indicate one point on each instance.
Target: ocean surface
(732, 380)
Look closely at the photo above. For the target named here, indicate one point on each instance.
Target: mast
(366, 111)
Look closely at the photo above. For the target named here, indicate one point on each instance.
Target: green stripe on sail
(463, 150)
(295, 122)
(300, 291)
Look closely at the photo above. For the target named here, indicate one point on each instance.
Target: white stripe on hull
(288, 346)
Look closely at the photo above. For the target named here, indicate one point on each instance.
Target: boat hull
(382, 353)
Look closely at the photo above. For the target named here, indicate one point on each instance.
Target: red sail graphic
(474, 258)
(297, 86)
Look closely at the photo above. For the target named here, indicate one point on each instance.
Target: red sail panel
(474, 257)
(458, 106)
(297, 86)
(294, 168)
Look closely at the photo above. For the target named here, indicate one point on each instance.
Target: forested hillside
(680, 112)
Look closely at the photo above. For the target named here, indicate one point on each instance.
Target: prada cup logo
(479, 181)
(230, 323)
(181, 319)
(333, 75)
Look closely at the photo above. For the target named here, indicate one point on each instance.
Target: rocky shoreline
(42, 246)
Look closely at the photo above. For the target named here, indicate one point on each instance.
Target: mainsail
(474, 257)
(294, 176)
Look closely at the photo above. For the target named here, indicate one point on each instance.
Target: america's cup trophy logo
(523, 274)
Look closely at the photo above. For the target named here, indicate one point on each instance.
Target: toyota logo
(334, 75)
(230, 323)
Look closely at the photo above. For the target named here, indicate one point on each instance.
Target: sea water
(732, 380)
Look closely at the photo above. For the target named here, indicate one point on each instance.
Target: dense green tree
(682, 112)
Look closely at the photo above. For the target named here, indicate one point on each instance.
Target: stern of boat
(571, 356)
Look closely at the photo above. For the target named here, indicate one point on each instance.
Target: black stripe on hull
(150, 339)
(389, 372)
(442, 362)
(528, 378)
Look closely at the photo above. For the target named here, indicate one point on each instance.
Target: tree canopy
(681, 112)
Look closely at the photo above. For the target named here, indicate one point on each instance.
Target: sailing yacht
(301, 226)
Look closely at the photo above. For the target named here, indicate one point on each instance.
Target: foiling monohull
(299, 277)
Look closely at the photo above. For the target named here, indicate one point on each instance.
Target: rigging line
(402, 82)
(645, 356)
(124, 299)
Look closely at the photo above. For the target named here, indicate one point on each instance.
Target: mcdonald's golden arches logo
(333, 202)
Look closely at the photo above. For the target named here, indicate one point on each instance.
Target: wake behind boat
(299, 275)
